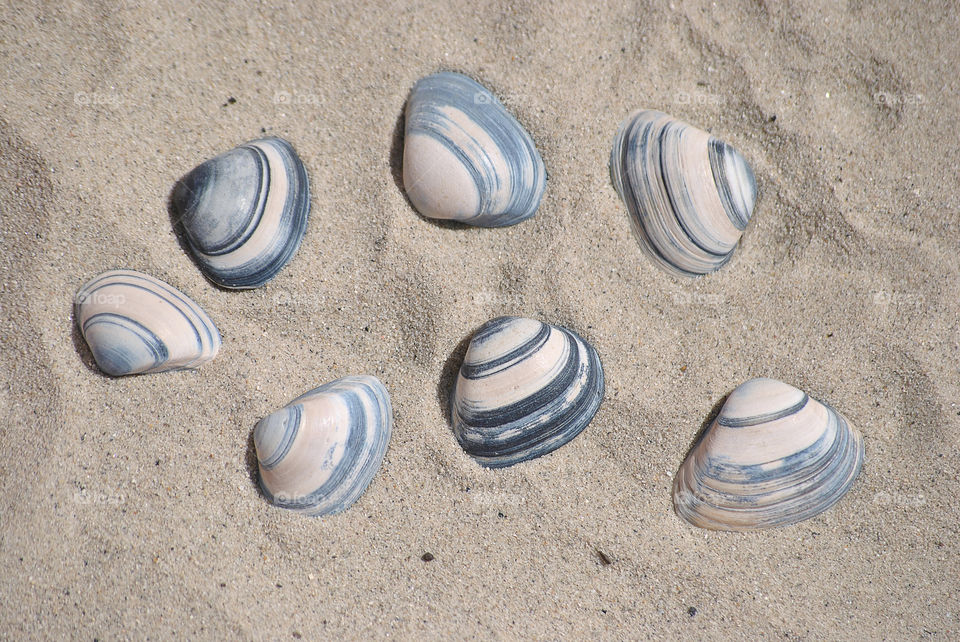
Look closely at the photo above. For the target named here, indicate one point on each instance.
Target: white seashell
(689, 196)
(244, 212)
(135, 323)
(465, 157)
(525, 388)
(318, 453)
(772, 457)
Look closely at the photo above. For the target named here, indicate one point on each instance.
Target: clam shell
(772, 457)
(135, 323)
(319, 453)
(465, 157)
(525, 388)
(689, 196)
(244, 212)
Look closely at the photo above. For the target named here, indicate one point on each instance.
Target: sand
(129, 507)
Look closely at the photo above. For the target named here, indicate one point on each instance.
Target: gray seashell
(319, 453)
(689, 196)
(772, 457)
(525, 388)
(135, 323)
(465, 157)
(244, 212)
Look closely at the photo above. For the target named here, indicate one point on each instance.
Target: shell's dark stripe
(830, 485)
(634, 143)
(637, 188)
(252, 218)
(678, 193)
(760, 475)
(764, 418)
(559, 429)
(117, 363)
(201, 321)
(429, 121)
(819, 485)
(288, 235)
(719, 152)
(553, 419)
(482, 107)
(150, 287)
(293, 417)
(354, 472)
(502, 417)
(521, 352)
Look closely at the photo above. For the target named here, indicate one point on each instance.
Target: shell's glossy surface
(135, 323)
(525, 388)
(772, 457)
(244, 212)
(465, 157)
(689, 196)
(319, 453)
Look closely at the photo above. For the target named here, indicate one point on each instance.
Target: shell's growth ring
(244, 212)
(465, 157)
(525, 388)
(689, 196)
(319, 453)
(135, 323)
(772, 457)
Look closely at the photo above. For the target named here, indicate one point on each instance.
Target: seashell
(135, 323)
(772, 457)
(465, 157)
(525, 388)
(689, 195)
(318, 453)
(244, 212)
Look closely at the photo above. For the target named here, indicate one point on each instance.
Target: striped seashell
(135, 323)
(525, 388)
(689, 196)
(772, 457)
(319, 453)
(244, 212)
(465, 157)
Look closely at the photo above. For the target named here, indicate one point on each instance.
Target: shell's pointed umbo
(465, 157)
(689, 196)
(135, 323)
(772, 457)
(525, 388)
(318, 453)
(244, 212)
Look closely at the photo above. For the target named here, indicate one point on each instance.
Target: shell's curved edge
(465, 157)
(525, 389)
(135, 323)
(244, 213)
(319, 453)
(688, 195)
(769, 469)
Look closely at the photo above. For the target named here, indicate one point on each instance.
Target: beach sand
(129, 507)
